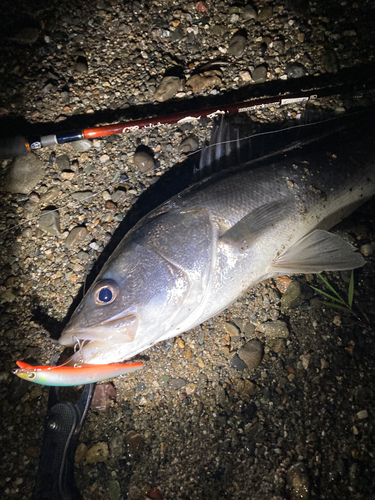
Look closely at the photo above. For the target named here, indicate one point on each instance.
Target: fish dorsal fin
(244, 233)
(318, 251)
(221, 153)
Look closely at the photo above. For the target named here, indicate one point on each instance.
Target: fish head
(129, 306)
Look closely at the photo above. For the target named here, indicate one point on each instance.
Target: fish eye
(31, 375)
(105, 292)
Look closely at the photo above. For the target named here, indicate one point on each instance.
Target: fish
(63, 376)
(198, 252)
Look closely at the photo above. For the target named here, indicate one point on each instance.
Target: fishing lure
(72, 375)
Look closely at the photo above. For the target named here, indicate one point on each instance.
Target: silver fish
(197, 253)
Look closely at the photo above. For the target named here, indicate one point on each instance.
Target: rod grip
(11, 147)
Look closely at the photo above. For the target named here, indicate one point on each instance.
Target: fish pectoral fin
(259, 220)
(318, 251)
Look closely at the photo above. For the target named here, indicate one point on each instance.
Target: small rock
(301, 37)
(119, 196)
(134, 442)
(82, 145)
(368, 249)
(76, 237)
(249, 330)
(237, 45)
(144, 161)
(81, 453)
(23, 174)
(97, 453)
(82, 196)
(168, 87)
(231, 329)
(274, 329)
(116, 445)
(203, 81)
(237, 363)
(109, 205)
(282, 283)
(106, 196)
(305, 358)
(295, 70)
(50, 195)
(265, 14)
(114, 490)
(362, 414)
(189, 144)
(220, 395)
(63, 162)
(49, 221)
(291, 296)
(329, 61)
(298, 482)
(177, 383)
(251, 353)
(279, 46)
(259, 74)
(248, 12)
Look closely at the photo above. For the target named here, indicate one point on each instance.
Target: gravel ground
(295, 421)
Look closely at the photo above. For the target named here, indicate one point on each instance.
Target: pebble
(97, 453)
(76, 237)
(291, 296)
(305, 359)
(119, 196)
(264, 14)
(203, 81)
(23, 175)
(116, 445)
(106, 196)
(248, 12)
(259, 74)
(251, 354)
(50, 195)
(189, 144)
(81, 145)
(49, 221)
(237, 363)
(237, 45)
(168, 88)
(220, 396)
(274, 329)
(135, 442)
(143, 161)
(81, 453)
(295, 70)
(368, 249)
(82, 196)
(177, 383)
(361, 415)
(102, 397)
(298, 482)
(63, 162)
(231, 329)
(114, 490)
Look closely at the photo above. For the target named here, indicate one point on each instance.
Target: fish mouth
(119, 329)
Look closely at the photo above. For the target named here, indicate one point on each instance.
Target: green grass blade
(328, 285)
(328, 295)
(337, 306)
(351, 290)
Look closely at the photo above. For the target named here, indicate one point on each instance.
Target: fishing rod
(19, 145)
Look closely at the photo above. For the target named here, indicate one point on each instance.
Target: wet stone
(237, 363)
(177, 383)
(265, 14)
(189, 144)
(237, 45)
(248, 12)
(259, 74)
(102, 397)
(114, 490)
(251, 353)
(134, 442)
(144, 161)
(50, 195)
(76, 237)
(82, 196)
(63, 162)
(23, 174)
(295, 70)
(81, 146)
(97, 453)
(274, 329)
(291, 296)
(203, 81)
(168, 87)
(298, 482)
(81, 64)
(49, 222)
(119, 196)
